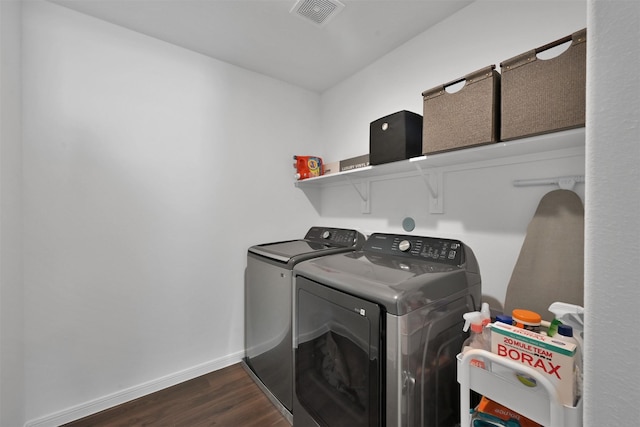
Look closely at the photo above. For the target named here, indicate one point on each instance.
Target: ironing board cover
(550, 266)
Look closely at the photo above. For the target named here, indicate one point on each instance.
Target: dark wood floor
(227, 397)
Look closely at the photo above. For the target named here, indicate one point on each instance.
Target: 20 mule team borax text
(549, 355)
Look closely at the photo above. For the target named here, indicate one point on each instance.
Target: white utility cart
(499, 383)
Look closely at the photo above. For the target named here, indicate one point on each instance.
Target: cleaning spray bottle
(571, 329)
(572, 315)
(476, 339)
(486, 319)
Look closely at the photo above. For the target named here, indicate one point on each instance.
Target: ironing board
(550, 266)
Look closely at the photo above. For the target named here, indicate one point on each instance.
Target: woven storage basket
(540, 96)
(465, 118)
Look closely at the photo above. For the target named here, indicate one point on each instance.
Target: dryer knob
(326, 234)
(404, 246)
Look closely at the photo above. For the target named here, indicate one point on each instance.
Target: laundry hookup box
(541, 94)
(551, 356)
(463, 118)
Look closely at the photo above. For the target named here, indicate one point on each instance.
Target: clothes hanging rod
(564, 182)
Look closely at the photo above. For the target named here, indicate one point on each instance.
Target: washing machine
(269, 306)
(377, 332)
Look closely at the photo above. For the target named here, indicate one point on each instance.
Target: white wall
(612, 233)
(121, 203)
(488, 32)
(481, 206)
(148, 172)
(11, 297)
(484, 33)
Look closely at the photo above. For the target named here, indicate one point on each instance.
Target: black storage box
(395, 137)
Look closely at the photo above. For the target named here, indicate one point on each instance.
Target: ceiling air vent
(317, 11)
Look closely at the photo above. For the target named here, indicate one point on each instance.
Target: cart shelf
(499, 383)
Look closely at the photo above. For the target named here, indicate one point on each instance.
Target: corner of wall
(11, 298)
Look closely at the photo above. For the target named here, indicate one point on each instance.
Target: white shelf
(501, 150)
(431, 167)
(539, 403)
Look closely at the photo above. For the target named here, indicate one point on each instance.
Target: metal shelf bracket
(433, 180)
(363, 188)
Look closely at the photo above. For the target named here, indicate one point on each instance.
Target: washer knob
(326, 234)
(404, 246)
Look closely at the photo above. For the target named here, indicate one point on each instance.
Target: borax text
(527, 359)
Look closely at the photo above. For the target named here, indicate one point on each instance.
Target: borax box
(551, 356)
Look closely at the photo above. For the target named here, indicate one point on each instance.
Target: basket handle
(554, 44)
(473, 77)
(575, 38)
(524, 58)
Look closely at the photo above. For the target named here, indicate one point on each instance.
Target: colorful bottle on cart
(504, 318)
(526, 319)
(565, 333)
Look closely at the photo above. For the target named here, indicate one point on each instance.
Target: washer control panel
(425, 248)
(334, 236)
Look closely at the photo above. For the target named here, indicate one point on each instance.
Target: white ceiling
(263, 36)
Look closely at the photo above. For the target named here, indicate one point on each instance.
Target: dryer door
(337, 359)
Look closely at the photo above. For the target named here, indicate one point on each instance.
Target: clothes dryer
(377, 332)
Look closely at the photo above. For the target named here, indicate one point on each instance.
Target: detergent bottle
(308, 166)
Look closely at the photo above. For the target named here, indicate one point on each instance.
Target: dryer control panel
(432, 249)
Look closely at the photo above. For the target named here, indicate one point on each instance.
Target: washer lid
(285, 251)
(317, 239)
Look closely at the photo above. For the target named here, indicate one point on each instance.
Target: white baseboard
(100, 404)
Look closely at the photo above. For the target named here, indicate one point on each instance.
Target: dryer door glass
(337, 360)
